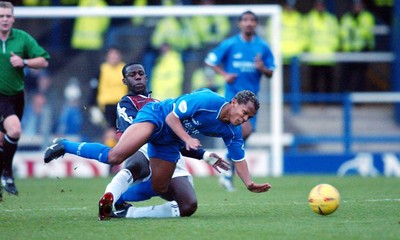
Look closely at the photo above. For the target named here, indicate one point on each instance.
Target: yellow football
(324, 199)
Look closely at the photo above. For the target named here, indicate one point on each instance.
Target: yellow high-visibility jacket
(88, 31)
(322, 35)
(167, 76)
(357, 32)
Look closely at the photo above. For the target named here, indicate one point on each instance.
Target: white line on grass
(383, 200)
(302, 203)
(45, 209)
(216, 204)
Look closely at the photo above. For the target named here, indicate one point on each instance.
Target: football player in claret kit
(132, 182)
(168, 126)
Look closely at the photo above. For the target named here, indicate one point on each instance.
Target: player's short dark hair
(246, 96)
(128, 65)
(248, 12)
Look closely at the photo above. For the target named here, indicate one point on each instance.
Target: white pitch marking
(305, 202)
(45, 209)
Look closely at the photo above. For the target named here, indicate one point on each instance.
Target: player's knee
(14, 132)
(12, 126)
(188, 209)
(139, 167)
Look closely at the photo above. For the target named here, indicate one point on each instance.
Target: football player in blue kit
(133, 180)
(242, 60)
(169, 125)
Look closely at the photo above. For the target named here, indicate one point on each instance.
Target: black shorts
(110, 114)
(11, 105)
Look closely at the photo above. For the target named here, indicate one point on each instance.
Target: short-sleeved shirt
(237, 56)
(199, 113)
(127, 109)
(24, 45)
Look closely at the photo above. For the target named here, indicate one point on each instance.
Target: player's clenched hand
(258, 188)
(16, 61)
(216, 161)
(192, 143)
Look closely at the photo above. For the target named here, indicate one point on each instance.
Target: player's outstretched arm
(243, 172)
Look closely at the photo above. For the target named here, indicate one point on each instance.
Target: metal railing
(295, 98)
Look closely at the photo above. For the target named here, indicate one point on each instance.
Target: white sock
(166, 210)
(119, 184)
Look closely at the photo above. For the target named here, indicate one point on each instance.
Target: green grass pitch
(67, 209)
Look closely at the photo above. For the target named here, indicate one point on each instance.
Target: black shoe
(54, 151)
(122, 206)
(9, 185)
(120, 210)
(1, 193)
(120, 213)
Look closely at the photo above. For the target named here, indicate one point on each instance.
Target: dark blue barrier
(364, 164)
(396, 63)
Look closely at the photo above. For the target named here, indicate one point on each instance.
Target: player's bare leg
(131, 140)
(161, 174)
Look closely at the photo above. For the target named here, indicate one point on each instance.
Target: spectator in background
(357, 35)
(322, 42)
(138, 21)
(38, 113)
(167, 31)
(35, 2)
(167, 74)
(33, 82)
(88, 37)
(211, 29)
(213, 81)
(38, 117)
(242, 60)
(71, 118)
(19, 50)
(202, 34)
(108, 81)
(88, 31)
(293, 39)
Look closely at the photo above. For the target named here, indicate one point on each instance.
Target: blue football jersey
(198, 113)
(237, 56)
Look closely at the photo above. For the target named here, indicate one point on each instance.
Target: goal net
(52, 27)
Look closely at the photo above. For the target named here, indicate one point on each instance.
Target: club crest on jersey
(237, 55)
(182, 106)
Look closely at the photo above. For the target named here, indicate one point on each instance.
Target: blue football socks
(138, 192)
(95, 151)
